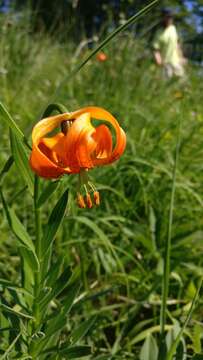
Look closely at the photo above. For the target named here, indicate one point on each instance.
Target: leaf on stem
(47, 192)
(54, 223)
(21, 160)
(149, 350)
(10, 122)
(82, 330)
(19, 230)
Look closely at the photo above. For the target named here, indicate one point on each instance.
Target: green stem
(37, 277)
(37, 218)
(166, 275)
(37, 249)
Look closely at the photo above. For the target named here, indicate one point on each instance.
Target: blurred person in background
(167, 49)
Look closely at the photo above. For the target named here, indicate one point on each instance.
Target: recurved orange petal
(43, 160)
(103, 138)
(102, 114)
(80, 143)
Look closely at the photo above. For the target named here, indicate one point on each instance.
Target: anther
(88, 201)
(65, 126)
(96, 198)
(81, 201)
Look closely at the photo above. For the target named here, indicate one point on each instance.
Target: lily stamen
(96, 198)
(89, 201)
(81, 201)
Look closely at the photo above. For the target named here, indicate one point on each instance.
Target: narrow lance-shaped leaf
(58, 287)
(18, 229)
(54, 272)
(8, 120)
(9, 285)
(21, 160)
(149, 350)
(6, 167)
(75, 352)
(82, 330)
(54, 222)
(47, 192)
(59, 321)
(72, 352)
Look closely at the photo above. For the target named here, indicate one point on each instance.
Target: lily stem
(37, 249)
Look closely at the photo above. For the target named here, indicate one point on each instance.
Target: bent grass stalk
(110, 37)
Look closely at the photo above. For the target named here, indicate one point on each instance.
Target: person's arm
(156, 50)
(158, 57)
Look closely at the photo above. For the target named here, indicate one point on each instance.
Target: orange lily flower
(78, 147)
(101, 56)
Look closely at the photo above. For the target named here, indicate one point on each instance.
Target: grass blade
(165, 285)
(8, 120)
(178, 338)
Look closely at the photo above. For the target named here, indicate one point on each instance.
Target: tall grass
(117, 250)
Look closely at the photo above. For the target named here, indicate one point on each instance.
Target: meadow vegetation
(116, 250)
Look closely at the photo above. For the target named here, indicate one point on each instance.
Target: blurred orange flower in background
(77, 147)
(101, 56)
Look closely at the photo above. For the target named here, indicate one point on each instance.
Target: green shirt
(166, 41)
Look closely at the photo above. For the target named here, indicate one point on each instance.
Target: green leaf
(54, 222)
(172, 334)
(15, 312)
(82, 330)
(6, 166)
(21, 160)
(9, 285)
(18, 228)
(54, 272)
(58, 287)
(198, 357)
(59, 321)
(196, 337)
(47, 192)
(29, 266)
(149, 350)
(75, 352)
(8, 121)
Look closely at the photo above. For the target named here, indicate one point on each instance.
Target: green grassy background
(120, 245)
